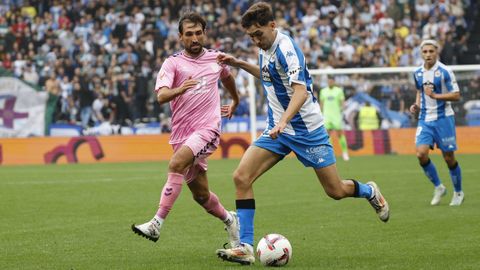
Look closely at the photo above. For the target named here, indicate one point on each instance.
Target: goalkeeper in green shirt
(331, 102)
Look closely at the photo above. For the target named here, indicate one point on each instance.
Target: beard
(194, 49)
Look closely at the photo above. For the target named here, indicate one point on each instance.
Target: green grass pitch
(79, 217)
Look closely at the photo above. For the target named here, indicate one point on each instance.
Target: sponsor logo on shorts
(317, 154)
(316, 149)
(448, 140)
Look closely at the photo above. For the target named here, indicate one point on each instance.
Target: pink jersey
(198, 107)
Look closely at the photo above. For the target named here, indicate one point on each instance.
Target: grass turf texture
(79, 217)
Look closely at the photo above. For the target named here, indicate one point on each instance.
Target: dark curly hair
(260, 13)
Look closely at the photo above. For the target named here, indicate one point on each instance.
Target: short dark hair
(260, 13)
(191, 17)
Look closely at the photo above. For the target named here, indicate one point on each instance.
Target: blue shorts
(440, 132)
(313, 149)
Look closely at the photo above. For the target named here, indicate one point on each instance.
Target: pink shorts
(202, 143)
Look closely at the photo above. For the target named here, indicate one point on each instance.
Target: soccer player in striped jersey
(294, 123)
(189, 81)
(436, 88)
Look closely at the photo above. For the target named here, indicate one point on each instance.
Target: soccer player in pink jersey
(189, 81)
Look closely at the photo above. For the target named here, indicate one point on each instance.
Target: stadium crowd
(101, 57)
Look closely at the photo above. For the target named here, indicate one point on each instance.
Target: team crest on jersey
(437, 73)
(419, 74)
(272, 58)
(215, 67)
(266, 74)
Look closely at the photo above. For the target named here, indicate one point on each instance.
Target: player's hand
(226, 59)
(428, 90)
(190, 83)
(414, 108)
(276, 130)
(227, 110)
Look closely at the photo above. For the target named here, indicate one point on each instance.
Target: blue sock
(246, 212)
(362, 190)
(456, 176)
(431, 172)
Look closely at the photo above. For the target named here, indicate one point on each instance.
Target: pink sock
(214, 207)
(170, 193)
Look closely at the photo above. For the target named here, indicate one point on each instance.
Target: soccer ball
(274, 250)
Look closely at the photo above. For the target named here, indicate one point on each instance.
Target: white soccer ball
(274, 250)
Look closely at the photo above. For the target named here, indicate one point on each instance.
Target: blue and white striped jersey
(443, 81)
(282, 65)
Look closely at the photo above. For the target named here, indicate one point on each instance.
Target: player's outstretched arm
(166, 94)
(234, 62)
(229, 83)
(299, 97)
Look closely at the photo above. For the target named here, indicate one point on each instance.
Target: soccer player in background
(189, 81)
(332, 100)
(436, 88)
(294, 123)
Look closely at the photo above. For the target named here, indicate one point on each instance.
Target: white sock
(229, 219)
(248, 246)
(157, 221)
(373, 192)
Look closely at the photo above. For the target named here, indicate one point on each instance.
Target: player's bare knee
(422, 156)
(242, 182)
(176, 166)
(449, 159)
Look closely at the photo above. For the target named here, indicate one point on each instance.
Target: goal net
(392, 91)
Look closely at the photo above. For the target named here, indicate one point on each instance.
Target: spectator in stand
(54, 35)
(102, 110)
(52, 86)
(30, 74)
(83, 98)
